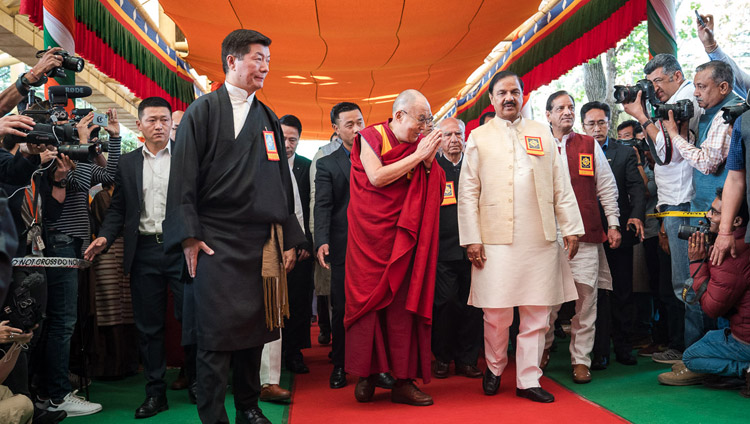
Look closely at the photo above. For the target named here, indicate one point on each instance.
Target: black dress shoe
(42, 416)
(537, 394)
(193, 392)
(251, 416)
(600, 363)
(297, 366)
(626, 359)
(385, 381)
(324, 338)
(440, 369)
(721, 383)
(152, 406)
(490, 382)
(338, 378)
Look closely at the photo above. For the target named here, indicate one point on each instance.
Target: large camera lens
(625, 93)
(73, 63)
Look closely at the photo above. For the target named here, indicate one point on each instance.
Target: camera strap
(689, 285)
(667, 146)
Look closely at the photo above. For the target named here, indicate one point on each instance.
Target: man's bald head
(407, 98)
(411, 115)
(176, 118)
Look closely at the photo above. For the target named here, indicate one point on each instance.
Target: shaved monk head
(411, 115)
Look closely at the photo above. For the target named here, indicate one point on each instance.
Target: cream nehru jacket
(485, 201)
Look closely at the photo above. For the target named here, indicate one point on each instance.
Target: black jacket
(331, 203)
(631, 191)
(301, 172)
(450, 249)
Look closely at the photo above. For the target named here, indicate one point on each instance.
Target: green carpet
(120, 398)
(634, 393)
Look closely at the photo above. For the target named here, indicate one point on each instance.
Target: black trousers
(213, 374)
(616, 311)
(153, 272)
(457, 328)
(296, 331)
(338, 306)
(670, 329)
(324, 317)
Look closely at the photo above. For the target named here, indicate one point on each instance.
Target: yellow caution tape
(677, 214)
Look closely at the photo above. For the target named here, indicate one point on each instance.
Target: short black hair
(666, 61)
(742, 213)
(720, 72)
(595, 105)
(485, 116)
(153, 102)
(238, 42)
(502, 75)
(630, 123)
(291, 121)
(557, 94)
(339, 108)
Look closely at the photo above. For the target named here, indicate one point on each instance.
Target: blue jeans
(62, 308)
(718, 352)
(678, 250)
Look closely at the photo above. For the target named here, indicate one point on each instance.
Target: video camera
(55, 127)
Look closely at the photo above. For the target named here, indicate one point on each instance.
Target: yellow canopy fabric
(324, 52)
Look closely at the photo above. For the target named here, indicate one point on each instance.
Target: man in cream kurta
(513, 189)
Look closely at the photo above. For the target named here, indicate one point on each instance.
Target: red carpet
(457, 399)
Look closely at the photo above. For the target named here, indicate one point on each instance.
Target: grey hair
(461, 124)
(720, 72)
(663, 60)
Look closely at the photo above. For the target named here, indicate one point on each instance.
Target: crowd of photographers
(690, 154)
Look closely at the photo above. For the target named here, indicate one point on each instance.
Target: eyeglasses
(592, 124)
(421, 121)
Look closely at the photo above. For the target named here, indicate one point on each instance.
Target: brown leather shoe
(274, 393)
(364, 389)
(405, 391)
(545, 359)
(470, 371)
(440, 369)
(581, 374)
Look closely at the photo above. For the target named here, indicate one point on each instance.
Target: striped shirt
(74, 219)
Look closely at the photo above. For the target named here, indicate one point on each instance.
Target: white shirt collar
(147, 153)
(291, 160)
(238, 95)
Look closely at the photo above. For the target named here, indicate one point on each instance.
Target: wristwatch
(61, 184)
(614, 227)
(646, 124)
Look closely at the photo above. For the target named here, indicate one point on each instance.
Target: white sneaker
(75, 406)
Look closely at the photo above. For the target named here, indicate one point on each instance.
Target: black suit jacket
(631, 197)
(301, 171)
(331, 203)
(124, 213)
(450, 249)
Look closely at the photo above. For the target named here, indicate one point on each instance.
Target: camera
(48, 127)
(682, 110)
(628, 93)
(69, 62)
(685, 231)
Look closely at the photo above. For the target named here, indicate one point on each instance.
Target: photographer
(68, 237)
(12, 95)
(727, 293)
(706, 35)
(14, 408)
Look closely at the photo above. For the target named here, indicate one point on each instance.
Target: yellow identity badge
(449, 196)
(270, 142)
(586, 165)
(534, 146)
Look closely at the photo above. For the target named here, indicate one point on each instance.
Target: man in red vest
(593, 183)
(392, 249)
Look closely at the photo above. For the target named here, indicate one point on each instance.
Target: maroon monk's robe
(390, 262)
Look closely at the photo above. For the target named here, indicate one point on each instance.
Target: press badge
(449, 196)
(270, 141)
(534, 146)
(586, 164)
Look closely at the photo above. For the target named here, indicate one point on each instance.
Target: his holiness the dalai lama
(395, 196)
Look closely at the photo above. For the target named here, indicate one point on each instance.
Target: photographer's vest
(580, 152)
(745, 133)
(705, 185)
